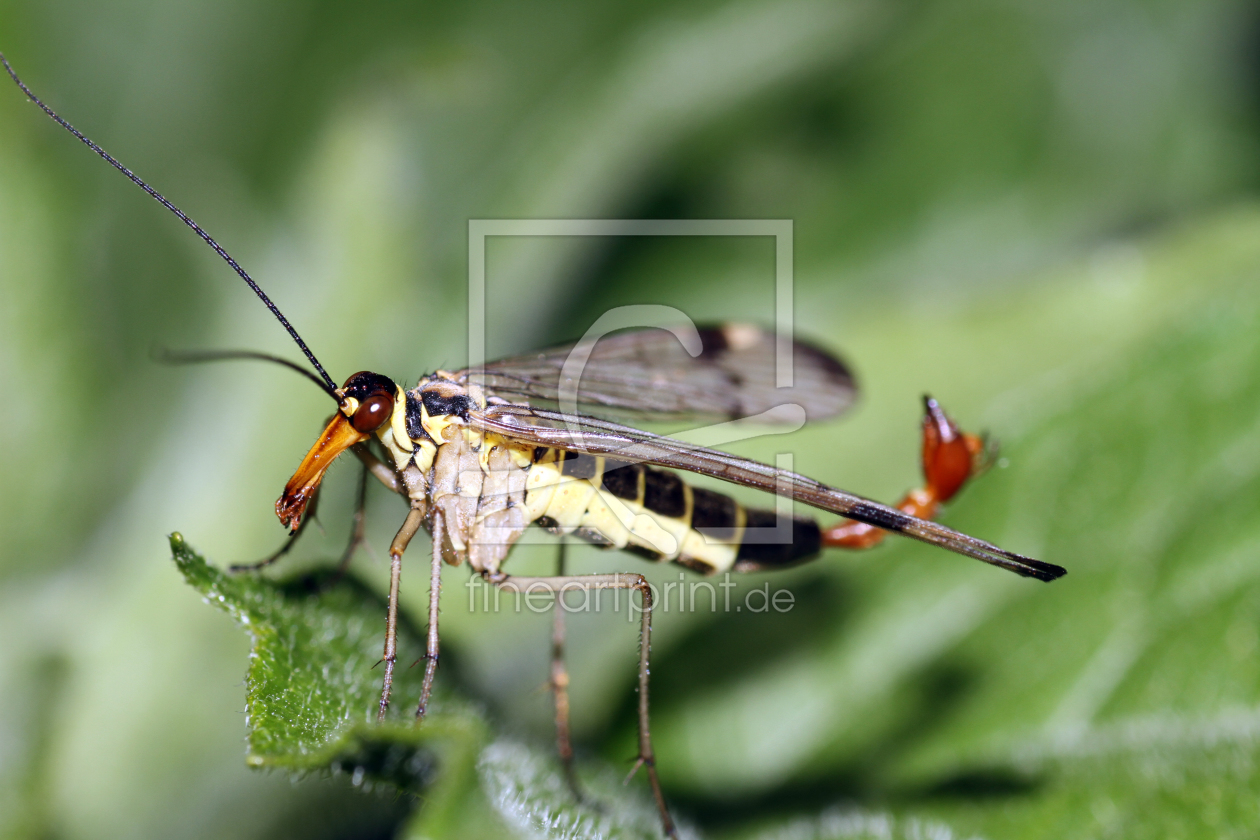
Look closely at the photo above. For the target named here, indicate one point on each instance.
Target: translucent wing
(650, 375)
(541, 427)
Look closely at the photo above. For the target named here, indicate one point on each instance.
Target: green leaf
(312, 690)
(311, 695)
(533, 798)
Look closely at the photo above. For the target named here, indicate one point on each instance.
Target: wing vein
(579, 433)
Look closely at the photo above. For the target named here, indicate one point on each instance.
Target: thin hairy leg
(563, 583)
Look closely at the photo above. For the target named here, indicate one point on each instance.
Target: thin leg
(950, 458)
(415, 518)
(561, 583)
(560, 687)
(289, 542)
(431, 637)
(357, 527)
(381, 471)
(371, 464)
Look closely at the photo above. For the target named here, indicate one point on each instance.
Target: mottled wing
(575, 433)
(649, 375)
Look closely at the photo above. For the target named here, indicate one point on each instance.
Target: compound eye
(372, 413)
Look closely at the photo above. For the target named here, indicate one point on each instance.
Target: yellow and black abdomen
(624, 505)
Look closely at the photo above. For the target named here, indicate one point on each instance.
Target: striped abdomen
(631, 506)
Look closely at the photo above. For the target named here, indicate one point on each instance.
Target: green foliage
(1041, 213)
(311, 695)
(310, 698)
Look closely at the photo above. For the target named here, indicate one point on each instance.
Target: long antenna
(218, 249)
(193, 357)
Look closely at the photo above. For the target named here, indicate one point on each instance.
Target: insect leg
(357, 525)
(379, 469)
(431, 637)
(415, 518)
(358, 521)
(562, 583)
(950, 458)
(560, 687)
(371, 464)
(289, 542)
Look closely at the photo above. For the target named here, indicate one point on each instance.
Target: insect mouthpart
(367, 403)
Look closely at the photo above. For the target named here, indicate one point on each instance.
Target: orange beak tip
(336, 438)
(290, 507)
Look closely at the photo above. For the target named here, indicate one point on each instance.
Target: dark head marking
(375, 394)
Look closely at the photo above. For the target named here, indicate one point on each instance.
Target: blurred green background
(1043, 213)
